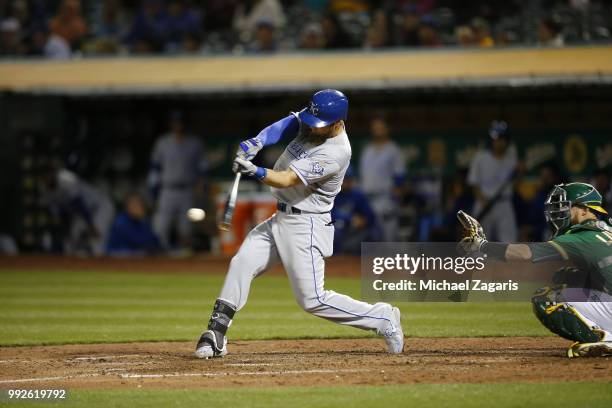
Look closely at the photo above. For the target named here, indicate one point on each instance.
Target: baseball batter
(305, 180)
(579, 306)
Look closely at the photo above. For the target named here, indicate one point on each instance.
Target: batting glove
(247, 150)
(248, 168)
(474, 236)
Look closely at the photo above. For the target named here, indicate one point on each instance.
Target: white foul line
(68, 377)
(93, 358)
(221, 374)
(243, 373)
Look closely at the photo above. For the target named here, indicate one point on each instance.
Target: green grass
(70, 307)
(556, 395)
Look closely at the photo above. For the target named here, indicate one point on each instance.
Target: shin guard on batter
(213, 342)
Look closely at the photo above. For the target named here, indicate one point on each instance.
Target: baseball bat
(491, 203)
(230, 205)
(530, 165)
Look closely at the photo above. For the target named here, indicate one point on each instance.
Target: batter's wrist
(261, 173)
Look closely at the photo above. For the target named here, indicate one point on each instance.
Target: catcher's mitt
(474, 235)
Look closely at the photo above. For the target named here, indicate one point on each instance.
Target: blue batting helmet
(326, 107)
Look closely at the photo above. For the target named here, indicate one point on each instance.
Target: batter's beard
(315, 139)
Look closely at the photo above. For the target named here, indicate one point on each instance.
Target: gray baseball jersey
(378, 167)
(320, 168)
(177, 163)
(301, 242)
(180, 160)
(489, 173)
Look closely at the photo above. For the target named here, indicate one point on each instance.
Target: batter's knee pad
(221, 319)
(561, 318)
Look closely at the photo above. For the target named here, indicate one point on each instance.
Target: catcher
(579, 305)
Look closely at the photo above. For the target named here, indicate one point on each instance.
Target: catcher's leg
(565, 320)
(598, 314)
(256, 254)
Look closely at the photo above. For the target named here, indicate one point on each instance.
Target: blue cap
(326, 107)
(498, 129)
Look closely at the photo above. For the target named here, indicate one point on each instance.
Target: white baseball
(196, 214)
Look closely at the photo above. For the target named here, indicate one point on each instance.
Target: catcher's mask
(557, 210)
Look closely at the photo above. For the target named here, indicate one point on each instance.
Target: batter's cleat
(598, 349)
(393, 334)
(208, 345)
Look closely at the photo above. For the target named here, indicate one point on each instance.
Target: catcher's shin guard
(561, 318)
(213, 342)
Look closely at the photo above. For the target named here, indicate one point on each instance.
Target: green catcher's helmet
(558, 205)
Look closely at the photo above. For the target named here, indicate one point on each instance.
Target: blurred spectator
(378, 33)
(264, 38)
(250, 13)
(490, 171)
(409, 34)
(417, 6)
(312, 37)
(84, 211)
(56, 46)
(176, 168)
(354, 219)
(10, 36)
(428, 34)
(182, 21)
(68, 22)
(110, 25)
(335, 35)
(149, 27)
(482, 33)
(350, 6)
(192, 43)
(222, 25)
(550, 33)
(132, 233)
(382, 170)
(465, 36)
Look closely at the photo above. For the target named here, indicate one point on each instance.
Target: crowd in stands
(60, 29)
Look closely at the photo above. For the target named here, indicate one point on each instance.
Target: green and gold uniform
(579, 308)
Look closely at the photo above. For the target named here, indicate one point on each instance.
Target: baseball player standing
(176, 164)
(489, 171)
(305, 180)
(382, 169)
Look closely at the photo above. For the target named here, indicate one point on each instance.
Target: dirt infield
(298, 363)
